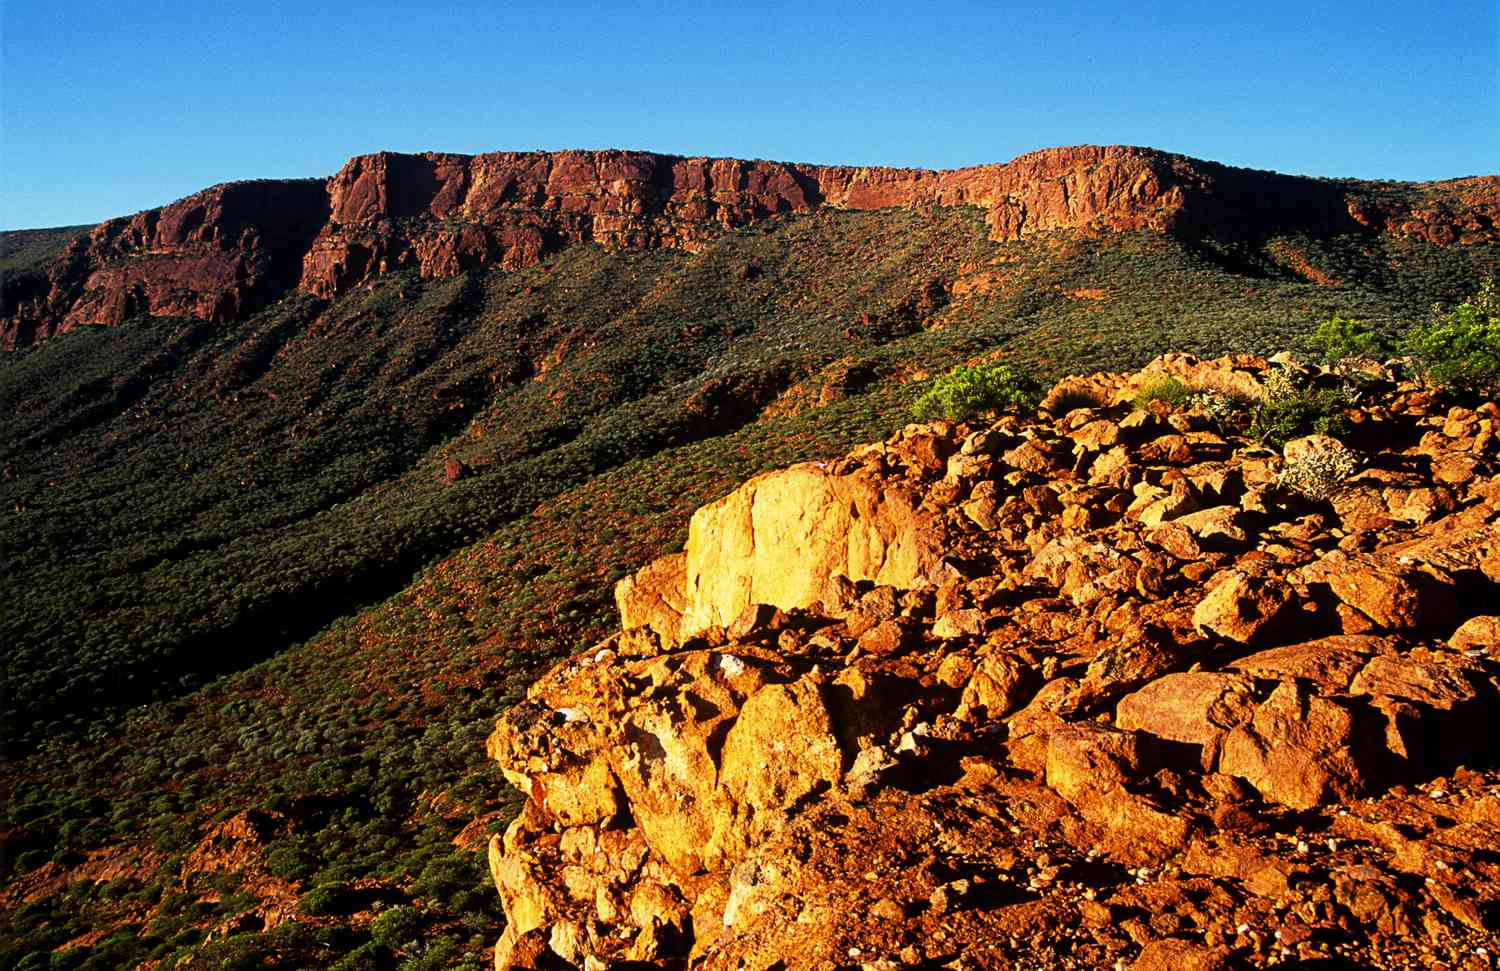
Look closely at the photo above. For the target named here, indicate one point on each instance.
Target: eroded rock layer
(236, 247)
(1130, 700)
(213, 256)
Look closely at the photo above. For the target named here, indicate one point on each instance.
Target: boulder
(778, 540)
(1243, 608)
(1300, 749)
(1194, 709)
(1090, 767)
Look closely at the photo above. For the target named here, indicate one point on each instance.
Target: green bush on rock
(1171, 390)
(1344, 338)
(1317, 467)
(1460, 350)
(967, 391)
(1290, 408)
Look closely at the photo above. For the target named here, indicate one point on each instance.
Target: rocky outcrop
(444, 213)
(211, 256)
(779, 540)
(1088, 691)
(1440, 212)
(233, 248)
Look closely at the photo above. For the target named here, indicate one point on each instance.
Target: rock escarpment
(1129, 699)
(236, 247)
(212, 256)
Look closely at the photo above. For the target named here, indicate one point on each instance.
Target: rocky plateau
(236, 248)
(1095, 688)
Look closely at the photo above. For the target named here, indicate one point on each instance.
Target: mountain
(306, 482)
(236, 247)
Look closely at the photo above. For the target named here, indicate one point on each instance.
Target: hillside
(296, 504)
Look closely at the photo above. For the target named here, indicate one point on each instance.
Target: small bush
(396, 928)
(289, 863)
(1344, 338)
(1460, 349)
(1173, 391)
(1318, 469)
(30, 859)
(325, 900)
(1218, 406)
(967, 391)
(1290, 409)
(369, 956)
(456, 881)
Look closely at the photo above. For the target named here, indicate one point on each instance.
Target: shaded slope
(187, 496)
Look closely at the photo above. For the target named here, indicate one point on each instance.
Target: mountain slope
(329, 538)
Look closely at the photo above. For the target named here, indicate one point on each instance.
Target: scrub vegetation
(255, 637)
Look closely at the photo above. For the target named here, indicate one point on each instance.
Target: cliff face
(444, 213)
(233, 248)
(1151, 705)
(214, 255)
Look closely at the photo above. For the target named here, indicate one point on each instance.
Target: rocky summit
(1108, 687)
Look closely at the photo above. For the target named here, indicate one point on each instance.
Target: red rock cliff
(232, 248)
(221, 252)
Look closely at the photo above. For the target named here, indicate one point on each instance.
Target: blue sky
(112, 107)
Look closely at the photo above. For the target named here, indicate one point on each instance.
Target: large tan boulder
(777, 540)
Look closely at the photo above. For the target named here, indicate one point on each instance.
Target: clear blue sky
(110, 107)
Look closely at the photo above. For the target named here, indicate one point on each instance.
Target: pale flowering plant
(1319, 468)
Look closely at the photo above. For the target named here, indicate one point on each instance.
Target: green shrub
(369, 956)
(325, 900)
(1173, 391)
(396, 928)
(456, 881)
(289, 863)
(967, 391)
(30, 859)
(1460, 349)
(1343, 338)
(1289, 409)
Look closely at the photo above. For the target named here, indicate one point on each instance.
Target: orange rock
(1298, 749)
(777, 540)
(1194, 708)
(1170, 954)
(1242, 608)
